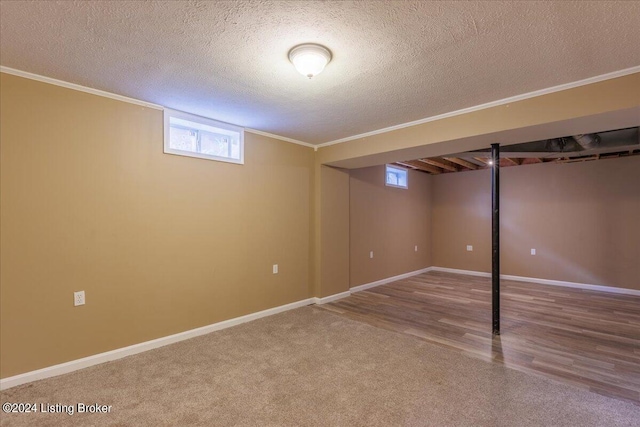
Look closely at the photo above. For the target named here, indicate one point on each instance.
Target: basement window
(396, 177)
(195, 136)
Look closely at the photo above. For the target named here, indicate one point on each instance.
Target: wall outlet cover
(469, 248)
(78, 298)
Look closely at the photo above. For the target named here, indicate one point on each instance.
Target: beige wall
(582, 219)
(390, 222)
(461, 216)
(160, 243)
(334, 236)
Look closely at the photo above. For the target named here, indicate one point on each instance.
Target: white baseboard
(600, 288)
(330, 298)
(389, 280)
(457, 271)
(367, 286)
(119, 353)
(96, 359)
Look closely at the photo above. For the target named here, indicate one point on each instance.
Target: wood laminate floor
(586, 338)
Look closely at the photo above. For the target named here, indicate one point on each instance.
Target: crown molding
(558, 88)
(565, 86)
(281, 138)
(105, 94)
(77, 87)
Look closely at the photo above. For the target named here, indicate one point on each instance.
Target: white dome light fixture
(309, 59)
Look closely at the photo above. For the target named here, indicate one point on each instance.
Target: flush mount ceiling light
(309, 59)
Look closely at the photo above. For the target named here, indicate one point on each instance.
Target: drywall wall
(160, 243)
(582, 219)
(334, 233)
(390, 222)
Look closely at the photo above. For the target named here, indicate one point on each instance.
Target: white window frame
(386, 169)
(168, 114)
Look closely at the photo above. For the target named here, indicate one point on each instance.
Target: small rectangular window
(396, 177)
(195, 136)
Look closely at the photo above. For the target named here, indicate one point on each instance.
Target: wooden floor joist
(483, 160)
(421, 166)
(439, 165)
(442, 164)
(462, 163)
(512, 162)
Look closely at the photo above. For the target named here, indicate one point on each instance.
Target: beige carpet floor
(308, 367)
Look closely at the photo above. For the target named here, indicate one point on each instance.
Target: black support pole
(495, 238)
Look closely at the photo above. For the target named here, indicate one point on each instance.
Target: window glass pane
(396, 177)
(235, 148)
(215, 144)
(392, 178)
(203, 137)
(183, 139)
(402, 179)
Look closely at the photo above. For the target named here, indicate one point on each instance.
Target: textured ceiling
(393, 62)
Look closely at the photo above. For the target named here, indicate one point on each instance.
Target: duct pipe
(588, 140)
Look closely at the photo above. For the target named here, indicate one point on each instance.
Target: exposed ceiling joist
(422, 166)
(461, 162)
(601, 145)
(405, 165)
(442, 164)
(581, 159)
(531, 161)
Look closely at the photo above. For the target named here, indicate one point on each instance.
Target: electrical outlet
(533, 251)
(275, 268)
(371, 254)
(78, 298)
(469, 248)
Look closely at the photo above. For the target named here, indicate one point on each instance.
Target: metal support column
(495, 238)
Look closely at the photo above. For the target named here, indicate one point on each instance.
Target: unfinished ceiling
(569, 149)
(393, 62)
